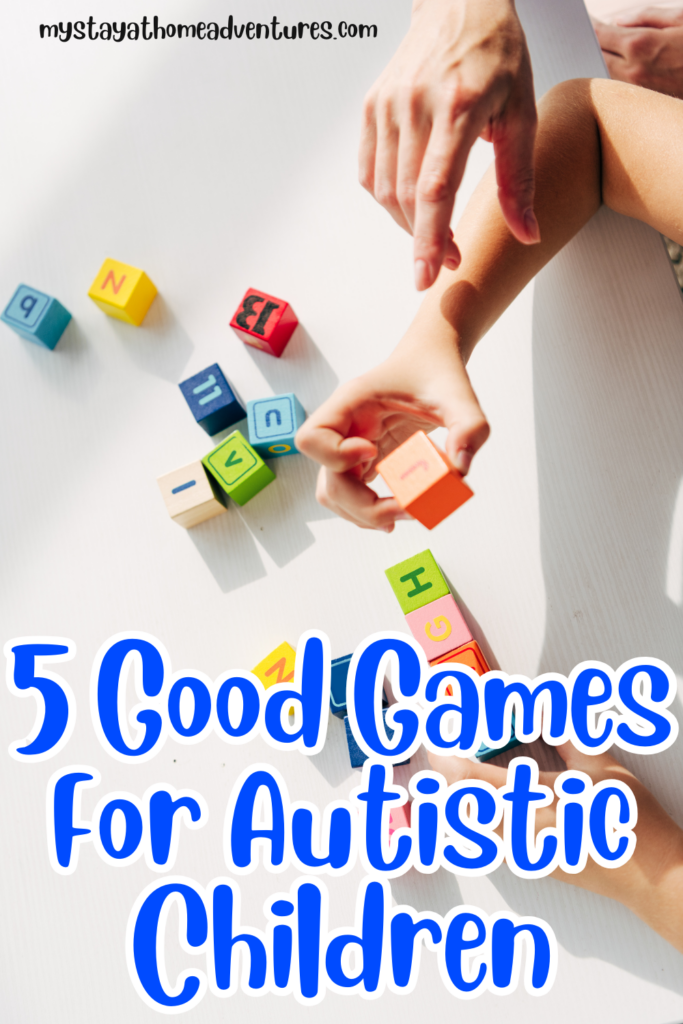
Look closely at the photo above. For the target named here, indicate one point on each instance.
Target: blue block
(212, 400)
(273, 423)
(339, 675)
(357, 756)
(36, 316)
(486, 753)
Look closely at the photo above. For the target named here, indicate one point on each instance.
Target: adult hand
(646, 49)
(463, 70)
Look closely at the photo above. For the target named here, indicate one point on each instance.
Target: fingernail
(450, 263)
(388, 529)
(423, 278)
(403, 515)
(463, 460)
(531, 224)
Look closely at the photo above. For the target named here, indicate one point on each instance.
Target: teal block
(36, 316)
(486, 753)
(273, 423)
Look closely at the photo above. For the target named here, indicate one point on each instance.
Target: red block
(264, 321)
(399, 817)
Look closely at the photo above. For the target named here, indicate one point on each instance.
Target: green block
(239, 470)
(417, 581)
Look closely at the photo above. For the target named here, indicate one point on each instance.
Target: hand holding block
(123, 292)
(238, 469)
(273, 423)
(36, 316)
(339, 674)
(264, 321)
(439, 627)
(469, 654)
(189, 495)
(277, 667)
(417, 581)
(211, 400)
(423, 481)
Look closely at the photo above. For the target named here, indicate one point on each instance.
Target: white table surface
(221, 166)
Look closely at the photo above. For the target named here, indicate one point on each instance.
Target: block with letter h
(123, 292)
(264, 321)
(211, 399)
(36, 316)
(423, 481)
(273, 423)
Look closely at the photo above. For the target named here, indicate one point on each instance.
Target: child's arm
(598, 141)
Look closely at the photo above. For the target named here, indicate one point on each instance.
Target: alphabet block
(339, 674)
(277, 667)
(191, 496)
(357, 756)
(469, 654)
(417, 581)
(273, 423)
(439, 627)
(36, 316)
(123, 292)
(238, 469)
(264, 321)
(399, 817)
(423, 481)
(212, 401)
(486, 753)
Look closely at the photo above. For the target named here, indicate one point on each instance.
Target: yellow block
(123, 292)
(278, 667)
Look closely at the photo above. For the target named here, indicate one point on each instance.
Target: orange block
(423, 481)
(469, 654)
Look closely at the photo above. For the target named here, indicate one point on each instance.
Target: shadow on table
(160, 346)
(229, 551)
(302, 369)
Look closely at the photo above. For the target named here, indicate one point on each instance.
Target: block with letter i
(263, 321)
(191, 495)
(238, 469)
(423, 481)
(122, 291)
(212, 401)
(36, 316)
(273, 423)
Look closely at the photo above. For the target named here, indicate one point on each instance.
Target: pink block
(399, 817)
(439, 627)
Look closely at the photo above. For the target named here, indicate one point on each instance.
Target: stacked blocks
(264, 321)
(434, 618)
(357, 756)
(124, 292)
(211, 400)
(239, 470)
(339, 675)
(423, 481)
(277, 667)
(273, 423)
(36, 316)
(191, 495)
(469, 654)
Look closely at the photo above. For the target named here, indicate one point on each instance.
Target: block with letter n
(273, 423)
(123, 292)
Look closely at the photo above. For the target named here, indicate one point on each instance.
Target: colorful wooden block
(123, 292)
(264, 321)
(423, 481)
(486, 753)
(191, 495)
(357, 756)
(339, 675)
(212, 401)
(417, 581)
(439, 627)
(273, 423)
(277, 667)
(469, 654)
(399, 817)
(36, 316)
(239, 470)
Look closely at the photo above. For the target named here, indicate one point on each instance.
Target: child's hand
(651, 882)
(422, 385)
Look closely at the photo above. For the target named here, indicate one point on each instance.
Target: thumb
(468, 429)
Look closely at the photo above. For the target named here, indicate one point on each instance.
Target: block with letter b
(263, 321)
(122, 291)
(439, 627)
(273, 423)
(191, 495)
(423, 481)
(417, 581)
(238, 469)
(212, 401)
(36, 316)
